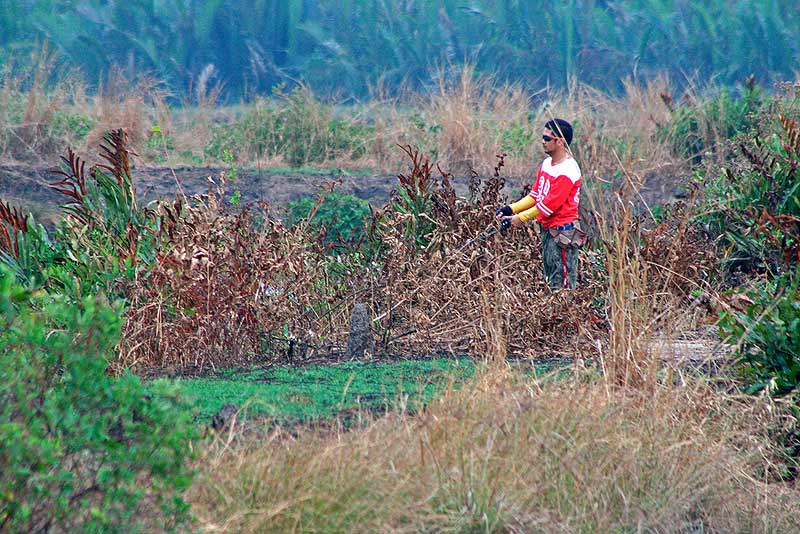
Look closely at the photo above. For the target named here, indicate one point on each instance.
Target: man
(553, 201)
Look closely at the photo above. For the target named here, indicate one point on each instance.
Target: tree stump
(361, 343)
(224, 417)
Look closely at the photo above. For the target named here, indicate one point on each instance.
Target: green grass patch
(322, 391)
(292, 394)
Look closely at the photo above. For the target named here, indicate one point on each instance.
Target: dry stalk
(478, 299)
(500, 455)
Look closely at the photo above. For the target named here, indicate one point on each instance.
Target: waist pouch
(571, 238)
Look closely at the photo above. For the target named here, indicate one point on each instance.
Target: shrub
(75, 126)
(222, 283)
(253, 136)
(754, 203)
(412, 203)
(767, 335)
(298, 127)
(81, 450)
(342, 216)
(697, 127)
(104, 235)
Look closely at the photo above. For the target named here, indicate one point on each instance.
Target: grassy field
(291, 394)
(507, 453)
(632, 439)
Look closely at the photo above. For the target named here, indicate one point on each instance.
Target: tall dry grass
(468, 119)
(507, 454)
(654, 270)
(463, 121)
(27, 107)
(44, 110)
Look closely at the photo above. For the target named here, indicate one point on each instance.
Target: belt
(569, 226)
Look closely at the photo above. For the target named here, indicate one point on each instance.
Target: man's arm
(523, 204)
(525, 209)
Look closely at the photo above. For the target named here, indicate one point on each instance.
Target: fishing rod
(505, 224)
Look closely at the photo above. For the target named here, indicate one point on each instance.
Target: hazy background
(349, 48)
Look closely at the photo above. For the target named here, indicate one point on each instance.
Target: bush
(82, 450)
(697, 127)
(343, 216)
(754, 203)
(768, 337)
(299, 128)
(254, 135)
(73, 126)
(104, 236)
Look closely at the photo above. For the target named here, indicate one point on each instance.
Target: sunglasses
(547, 138)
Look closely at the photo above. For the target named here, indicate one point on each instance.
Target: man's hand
(508, 222)
(504, 211)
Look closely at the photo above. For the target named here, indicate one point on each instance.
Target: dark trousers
(554, 262)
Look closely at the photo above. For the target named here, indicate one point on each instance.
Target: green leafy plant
(413, 202)
(81, 450)
(516, 139)
(297, 127)
(754, 204)
(697, 127)
(343, 216)
(767, 337)
(104, 235)
(254, 135)
(75, 126)
(159, 144)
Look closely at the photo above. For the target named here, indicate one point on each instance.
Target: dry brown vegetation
(507, 454)
(627, 444)
(229, 287)
(465, 121)
(221, 283)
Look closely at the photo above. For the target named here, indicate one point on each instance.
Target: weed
(343, 217)
(766, 336)
(298, 128)
(754, 202)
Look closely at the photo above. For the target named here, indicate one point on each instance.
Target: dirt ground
(27, 187)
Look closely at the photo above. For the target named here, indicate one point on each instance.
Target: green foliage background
(346, 46)
(343, 215)
(81, 450)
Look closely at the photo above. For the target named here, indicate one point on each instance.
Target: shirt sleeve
(529, 214)
(523, 204)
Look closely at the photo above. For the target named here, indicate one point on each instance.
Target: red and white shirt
(557, 192)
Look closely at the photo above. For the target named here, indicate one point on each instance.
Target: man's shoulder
(569, 168)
